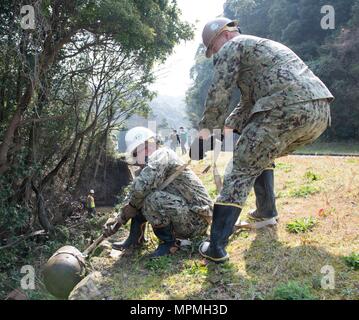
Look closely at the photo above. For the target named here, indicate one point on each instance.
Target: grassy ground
(265, 264)
(331, 148)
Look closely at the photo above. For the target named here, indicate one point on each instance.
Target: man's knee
(156, 208)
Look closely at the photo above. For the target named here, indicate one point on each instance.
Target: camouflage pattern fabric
(270, 135)
(268, 74)
(161, 208)
(182, 202)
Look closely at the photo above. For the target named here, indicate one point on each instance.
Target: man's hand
(128, 212)
(111, 226)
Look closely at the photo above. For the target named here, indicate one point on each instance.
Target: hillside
(172, 109)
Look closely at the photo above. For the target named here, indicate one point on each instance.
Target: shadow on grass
(135, 276)
(255, 273)
(269, 269)
(272, 263)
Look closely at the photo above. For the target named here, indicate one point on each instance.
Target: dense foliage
(332, 54)
(65, 87)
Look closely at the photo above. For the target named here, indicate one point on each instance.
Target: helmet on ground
(137, 136)
(63, 271)
(215, 27)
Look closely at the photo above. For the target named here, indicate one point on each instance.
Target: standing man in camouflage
(180, 210)
(283, 106)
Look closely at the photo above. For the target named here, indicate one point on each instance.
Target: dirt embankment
(108, 182)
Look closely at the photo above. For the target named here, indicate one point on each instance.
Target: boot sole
(216, 260)
(132, 247)
(256, 224)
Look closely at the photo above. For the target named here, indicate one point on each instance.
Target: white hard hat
(136, 136)
(213, 28)
(92, 191)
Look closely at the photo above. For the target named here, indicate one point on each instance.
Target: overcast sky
(174, 74)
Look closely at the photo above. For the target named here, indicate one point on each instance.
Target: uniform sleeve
(239, 116)
(150, 178)
(223, 84)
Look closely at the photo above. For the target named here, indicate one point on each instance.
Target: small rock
(105, 244)
(88, 289)
(115, 254)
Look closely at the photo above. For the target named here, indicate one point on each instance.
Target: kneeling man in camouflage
(180, 209)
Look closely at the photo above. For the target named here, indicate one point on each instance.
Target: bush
(352, 261)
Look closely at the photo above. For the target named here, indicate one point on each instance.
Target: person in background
(90, 203)
(175, 140)
(183, 138)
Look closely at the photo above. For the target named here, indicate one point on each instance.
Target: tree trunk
(41, 210)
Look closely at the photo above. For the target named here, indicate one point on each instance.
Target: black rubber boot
(224, 219)
(265, 198)
(137, 234)
(168, 243)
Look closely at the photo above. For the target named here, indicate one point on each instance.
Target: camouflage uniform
(183, 202)
(283, 106)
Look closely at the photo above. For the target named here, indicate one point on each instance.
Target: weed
(292, 291)
(281, 194)
(311, 176)
(283, 166)
(194, 268)
(212, 191)
(352, 261)
(303, 191)
(159, 264)
(301, 225)
(352, 160)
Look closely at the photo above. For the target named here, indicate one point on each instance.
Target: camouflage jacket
(161, 164)
(268, 75)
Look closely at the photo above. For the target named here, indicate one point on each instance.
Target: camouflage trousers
(269, 135)
(162, 208)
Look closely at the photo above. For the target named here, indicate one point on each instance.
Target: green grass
(292, 291)
(194, 268)
(303, 191)
(331, 148)
(283, 166)
(264, 264)
(352, 261)
(159, 264)
(311, 176)
(272, 263)
(301, 225)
